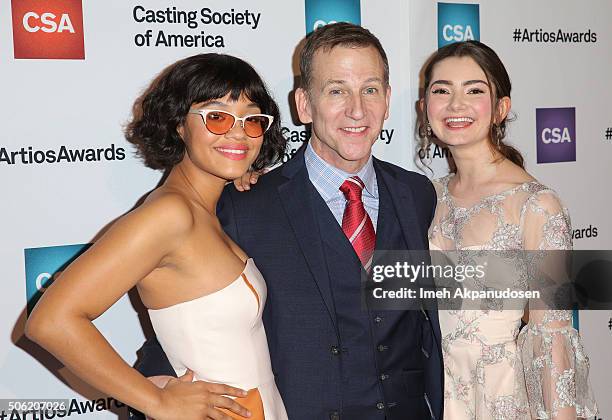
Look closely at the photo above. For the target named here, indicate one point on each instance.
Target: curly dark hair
(164, 105)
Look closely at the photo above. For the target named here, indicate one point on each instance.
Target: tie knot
(352, 188)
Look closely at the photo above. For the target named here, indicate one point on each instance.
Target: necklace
(202, 201)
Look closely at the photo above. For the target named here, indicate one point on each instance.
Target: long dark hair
(497, 76)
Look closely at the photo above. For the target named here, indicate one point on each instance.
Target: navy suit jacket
(275, 224)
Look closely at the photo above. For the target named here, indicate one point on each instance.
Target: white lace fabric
(491, 370)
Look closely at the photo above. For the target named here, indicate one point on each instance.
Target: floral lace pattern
(493, 371)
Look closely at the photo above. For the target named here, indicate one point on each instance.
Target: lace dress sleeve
(555, 365)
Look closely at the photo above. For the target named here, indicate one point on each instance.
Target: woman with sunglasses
(206, 120)
(490, 203)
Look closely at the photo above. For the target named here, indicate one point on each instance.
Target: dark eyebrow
(441, 82)
(224, 105)
(215, 103)
(466, 83)
(474, 82)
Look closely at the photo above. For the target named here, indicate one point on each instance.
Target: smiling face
(347, 104)
(459, 102)
(227, 156)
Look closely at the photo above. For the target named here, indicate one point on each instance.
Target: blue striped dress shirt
(327, 179)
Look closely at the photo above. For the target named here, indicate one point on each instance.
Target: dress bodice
(220, 336)
(501, 221)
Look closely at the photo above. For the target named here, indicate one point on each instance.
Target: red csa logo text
(48, 22)
(51, 29)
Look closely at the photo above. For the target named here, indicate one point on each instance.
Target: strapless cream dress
(221, 338)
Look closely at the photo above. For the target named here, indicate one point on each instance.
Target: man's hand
(244, 182)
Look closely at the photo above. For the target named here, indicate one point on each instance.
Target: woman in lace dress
(493, 371)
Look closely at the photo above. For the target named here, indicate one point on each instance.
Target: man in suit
(311, 226)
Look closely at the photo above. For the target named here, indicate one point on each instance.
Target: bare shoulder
(169, 204)
(512, 175)
(164, 213)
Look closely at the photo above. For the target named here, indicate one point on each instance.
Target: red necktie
(356, 222)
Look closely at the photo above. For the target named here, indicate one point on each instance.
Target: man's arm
(153, 361)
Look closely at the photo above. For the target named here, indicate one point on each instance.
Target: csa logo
(458, 22)
(576, 319)
(556, 134)
(41, 264)
(321, 12)
(51, 29)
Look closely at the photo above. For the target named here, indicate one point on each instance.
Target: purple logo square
(556, 134)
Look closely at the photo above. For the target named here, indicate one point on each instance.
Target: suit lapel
(334, 235)
(298, 197)
(384, 226)
(404, 205)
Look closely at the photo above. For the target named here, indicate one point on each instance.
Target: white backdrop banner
(70, 71)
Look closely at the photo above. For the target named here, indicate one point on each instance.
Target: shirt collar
(328, 178)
